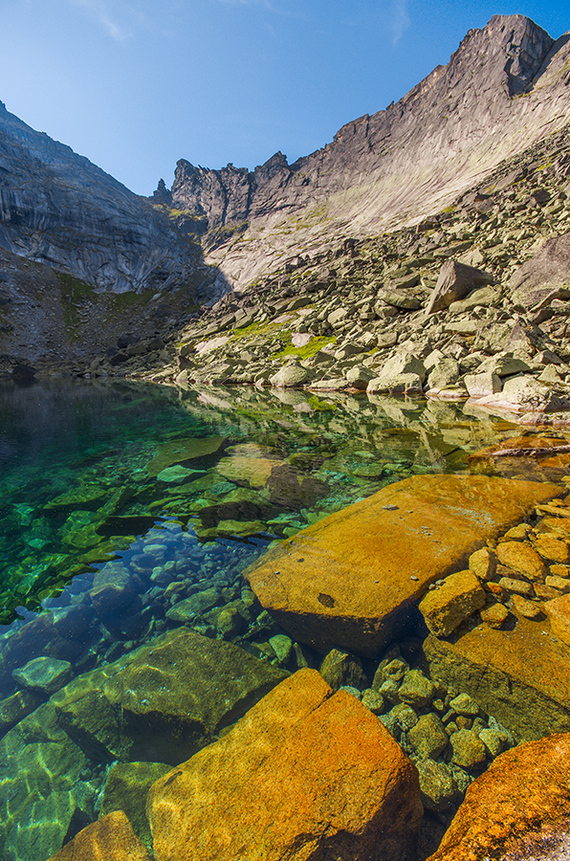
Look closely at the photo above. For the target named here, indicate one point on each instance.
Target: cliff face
(59, 209)
(506, 87)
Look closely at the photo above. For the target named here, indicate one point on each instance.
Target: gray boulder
(544, 277)
(456, 281)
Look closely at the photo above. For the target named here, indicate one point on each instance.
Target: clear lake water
(165, 495)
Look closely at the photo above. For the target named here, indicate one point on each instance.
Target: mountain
(58, 208)
(504, 89)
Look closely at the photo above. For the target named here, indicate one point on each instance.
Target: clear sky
(135, 85)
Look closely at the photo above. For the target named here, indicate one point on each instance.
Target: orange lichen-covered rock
(522, 558)
(110, 838)
(523, 798)
(306, 775)
(351, 580)
(558, 612)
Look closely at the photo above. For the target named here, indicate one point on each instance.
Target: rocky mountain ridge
(479, 289)
(505, 88)
(59, 209)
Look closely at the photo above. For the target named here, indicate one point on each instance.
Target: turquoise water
(128, 511)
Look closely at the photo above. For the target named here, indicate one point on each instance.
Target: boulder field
(353, 579)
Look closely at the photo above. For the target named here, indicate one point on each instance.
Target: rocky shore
(470, 304)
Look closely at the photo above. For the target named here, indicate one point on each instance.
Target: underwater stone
(520, 676)
(437, 785)
(195, 605)
(183, 451)
(468, 750)
(165, 700)
(176, 474)
(345, 581)
(340, 668)
(416, 689)
(521, 558)
(282, 646)
(16, 707)
(428, 737)
(270, 783)
(126, 789)
(43, 674)
(452, 602)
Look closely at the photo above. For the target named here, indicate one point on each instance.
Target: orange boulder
(521, 802)
(350, 581)
(306, 775)
(110, 838)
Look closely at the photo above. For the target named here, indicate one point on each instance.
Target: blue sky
(137, 84)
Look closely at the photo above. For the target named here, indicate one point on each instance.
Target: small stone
(468, 750)
(416, 689)
(558, 612)
(43, 674)
(281, 645)
(438, 786)
(553, 549)
(230, 623)
(525, 608)
(562, 584)
(483, 563)
(560, 570)
(394, 670)
(493, 741)
(340, 668)
(521, 558)
(463, 704)
(520, 587)
(373, 701)
(196, 605)
(176, 474)
(458, 597)
(494, 615)
(405, 716)
(518, 533)
(463, 722)
(428, 737)
(390, 690)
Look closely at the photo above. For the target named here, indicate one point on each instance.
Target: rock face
(394, 167)
(351, 580)
(58, 208)
(306, 775)
(519, 808)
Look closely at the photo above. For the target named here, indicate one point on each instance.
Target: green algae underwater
(130, 512)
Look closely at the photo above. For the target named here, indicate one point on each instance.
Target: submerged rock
(520, 675)
(126, 789)
(165, 700)
(181, 451)
(43, 674)
(351, 580)
(305, 774)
